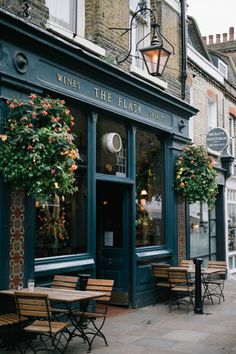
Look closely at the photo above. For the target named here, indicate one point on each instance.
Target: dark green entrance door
(113, 238)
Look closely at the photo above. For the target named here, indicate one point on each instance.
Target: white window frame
(223, 68)
(211, 113)
(77, 37)
(143, 24)
(232, 134)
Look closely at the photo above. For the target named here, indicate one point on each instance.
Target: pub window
(61, 223)
(149, 190)
(111, 148)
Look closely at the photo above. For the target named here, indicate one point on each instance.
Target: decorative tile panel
(181, 229)
(16, 247)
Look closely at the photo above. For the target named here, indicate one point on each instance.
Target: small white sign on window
(108, 238)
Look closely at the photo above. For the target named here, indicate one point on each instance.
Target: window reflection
(232, 227)
(202, 231)
(149, 191)
(111, 148)
(61, 223)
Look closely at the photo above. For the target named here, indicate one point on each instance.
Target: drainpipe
(183, 50)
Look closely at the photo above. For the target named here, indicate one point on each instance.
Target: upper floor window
(223, 68)
(232, 135)
(67, 18)
(67, 15)
(211, 113)
(140, 29)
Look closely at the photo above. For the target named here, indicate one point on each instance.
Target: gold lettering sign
(68, 81)
(129, 105)
(103, 95)
(156, 116)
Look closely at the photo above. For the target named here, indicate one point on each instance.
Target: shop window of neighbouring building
(61, 223)
(140, 29)
(202, 231)
(231, 196)
(149, 190)
(111, 148)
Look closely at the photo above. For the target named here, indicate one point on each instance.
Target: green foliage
(38, 153)
(195, 175)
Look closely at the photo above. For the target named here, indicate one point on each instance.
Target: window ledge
(47, 265)
(144, 75)
(85, 43)
(149, 254)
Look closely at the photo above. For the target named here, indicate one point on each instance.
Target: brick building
(213, 91)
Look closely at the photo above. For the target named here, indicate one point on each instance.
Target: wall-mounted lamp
(155, 56)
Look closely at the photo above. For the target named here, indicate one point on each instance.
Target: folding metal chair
(10, 329)
(181, 290)
(91, 322)
(67, 282)
(214, 283)
(160, 273)
(36, 306)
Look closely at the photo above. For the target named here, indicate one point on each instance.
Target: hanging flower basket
(38, 153)
(195, 176)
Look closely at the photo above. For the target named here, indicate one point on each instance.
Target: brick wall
(34, 11)
(202, 89)
(101, 17)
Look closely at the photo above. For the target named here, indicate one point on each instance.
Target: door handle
(109, 261)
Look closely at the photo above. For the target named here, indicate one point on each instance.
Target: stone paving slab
(152, 330)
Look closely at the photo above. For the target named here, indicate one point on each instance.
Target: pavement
(154, 330)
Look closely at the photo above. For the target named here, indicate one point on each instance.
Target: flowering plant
(195, 175)
(38, 153)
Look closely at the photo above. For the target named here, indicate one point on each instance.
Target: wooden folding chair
(10, 329)
(160, 273)
(36, 306)
(92, 322)
(181, 290)
(187, 263)
(66, 282)
(214, 284)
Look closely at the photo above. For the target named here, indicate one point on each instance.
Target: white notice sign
(108, 238)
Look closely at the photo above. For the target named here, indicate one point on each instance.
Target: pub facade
(126, 213)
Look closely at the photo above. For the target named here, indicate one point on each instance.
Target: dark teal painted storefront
(59, 68)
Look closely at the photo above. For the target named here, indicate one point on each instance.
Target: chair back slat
(65, 282)
(186, 263)
(177, 276)
(222, 265)
(103, 285)
(160, 270)
(32, 305)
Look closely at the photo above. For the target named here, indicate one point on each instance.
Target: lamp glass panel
(155, 60)
(164, 56)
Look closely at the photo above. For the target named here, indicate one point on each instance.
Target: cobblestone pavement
(153, 330)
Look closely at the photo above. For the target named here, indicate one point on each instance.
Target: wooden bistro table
(66, 297)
